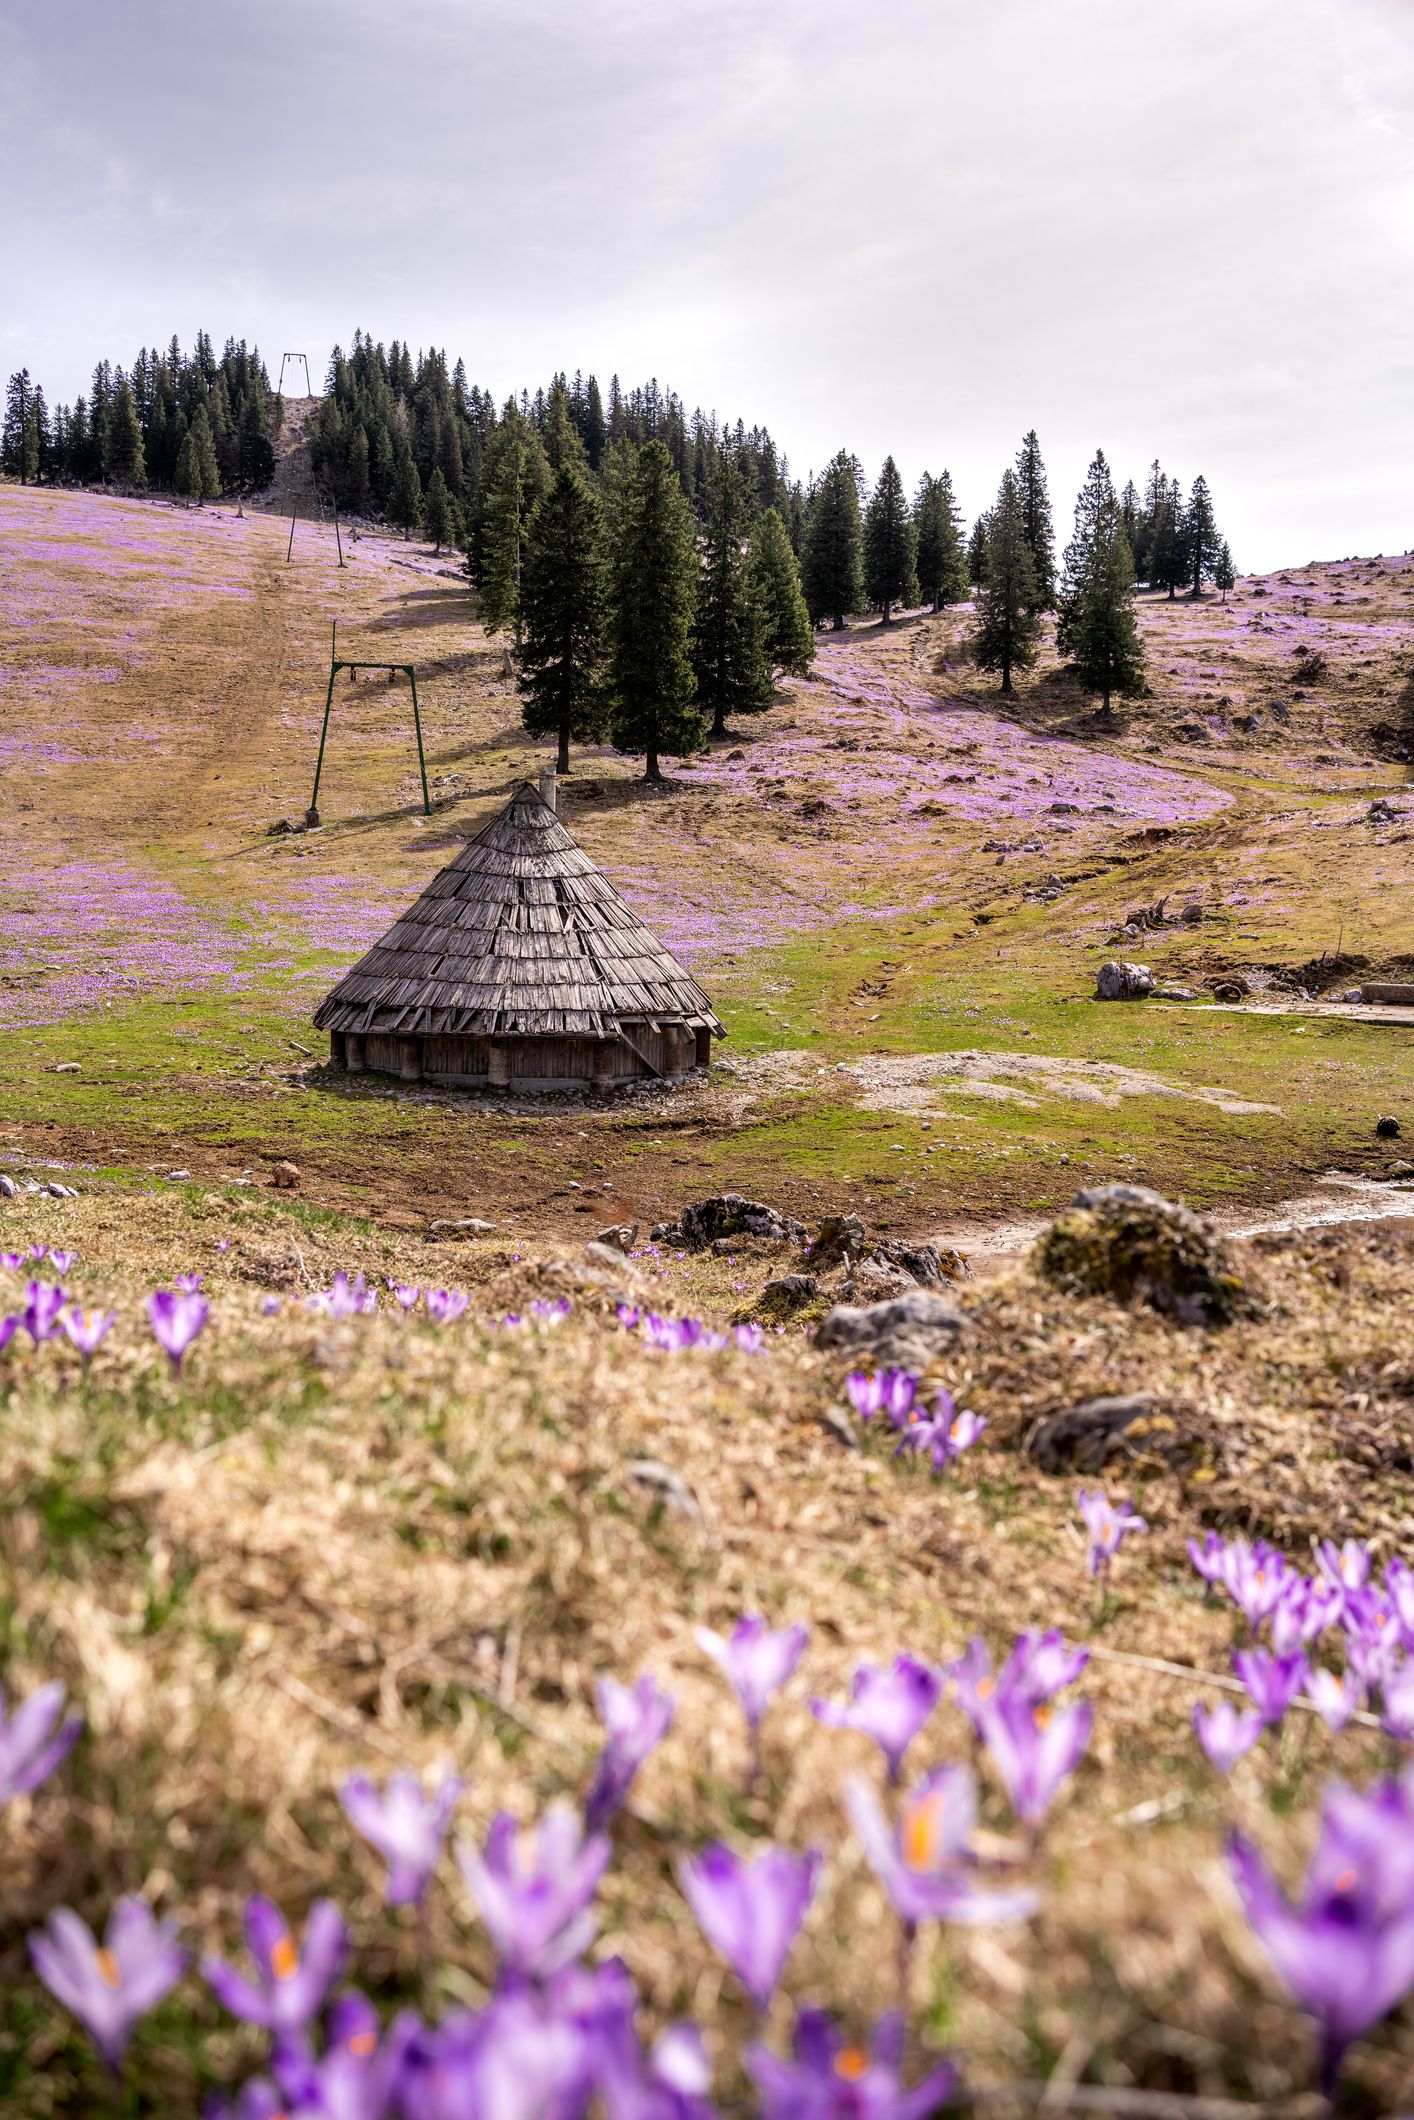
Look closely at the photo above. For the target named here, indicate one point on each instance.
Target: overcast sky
(919, 225)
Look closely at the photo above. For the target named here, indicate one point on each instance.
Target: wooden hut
(520, 967)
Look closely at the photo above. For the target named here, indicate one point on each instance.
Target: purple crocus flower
(405, 1824)
(87, 1329)
(1034, 1749)
(1210, 1559)
(1108, 1527)
(889, 1704)
(922, 1862)
(1303, 1612)
(270, 1306)
(345, 1298)
(108, 1986)
(628, 1315)
(1397, 1689)
(353, 2079)
(290, 1985)
(757, 1660)
(406, 1298)
(1346, 1949)
(898, 1394)
(831, 2080)
(1257, 1578)
(1399, 1589)
(61, 1261)
(1225, 1734)
(1272, 1682)
(1335, 1699)
(30, 1747)
(751, 1911)
(9, 1326)
(636, 1719)
(518, 2059)
(1041, 1665)
(189, 1284)
(749, 1338)
(176, 1320)
(1347, 1566)
(43, 1302)
(866, 1393)
(534, 1889)
(443, 1305)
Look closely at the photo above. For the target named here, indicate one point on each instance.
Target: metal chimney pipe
(547, 789)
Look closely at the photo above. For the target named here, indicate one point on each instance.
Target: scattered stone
(733, 755)
(729, 1215)
(1064, 809)
(1123, 982)
(620, 1238)
(906, 1332)
(873, 1279)
(786, 1294)
(1387, 1128)
(1352, 993)
(598, 1253)
(1231, 987)
(1175, 993)
(8, 1188)
(1383, 812)
(666, 1485)
(285, 1176)
(1085, 1437)
(281, 825)
(463, 1226)
(1134, 1245)
(178, 1177)
(66, 1067)
(839, 1425)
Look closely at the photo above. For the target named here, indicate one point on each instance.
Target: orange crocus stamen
(986, 1687)
(108, 1968)
(851, 2063)
(363, 2044)
(284, 1959)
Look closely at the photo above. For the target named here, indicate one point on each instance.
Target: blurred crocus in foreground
(636, 1719)
(443, 1305)
(290, 1984)
(1272, 1682)
(831, 2080)
(757, 1660)
(87, 1329)
(30, 1746)
(1108, 1527)
(923, 1862)
(43, 1303)
(534, 1889)
(1033, 1748)
(405, 1824)
(751, 1911)
(108, 1986)
(1225, 1734)
(889, 1704)
(176, 1320)
(1346, 1949)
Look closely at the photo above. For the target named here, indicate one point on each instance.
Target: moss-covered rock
(1132, 1244)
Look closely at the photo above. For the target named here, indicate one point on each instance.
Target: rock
(790, 1291)
(733, 755)
(281, 825)
(843, 1238)
(839, 1425)
(666, 1486)
(873, 1279)
(1132, 1244)
(1383, 812)
(8, 1188)
(463, 1226)
(1174, 993)
(838, 1236)
(285, 1176)
(621, 1237)
(906, 1332)
(178, 1177)
(1387, 1128)
(1064, 809)
(1191, 915)
(1123, 982)
(1085, 1437)
(1352, 993)
(1232, 987)
(729, 1215)
(597, 1253)
(1395, 993)
(66, 1067)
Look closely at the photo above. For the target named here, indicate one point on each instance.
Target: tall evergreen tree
(977, 553)
(562, 616)
(1036, 517)
(438, 512)
(559, 436)
(652, 591)
(1096, 629)
(942, 561)
(257, 452)
(834, 568)
(729, 660)
(123, 454)
(1200, 534)
(890, 551)
(17, 454)
(203, 450)
(405, 500)
(790, 637)
(1169, 549)
(187, 476)
(1007, 620)
(516, 474)
(1224, 573)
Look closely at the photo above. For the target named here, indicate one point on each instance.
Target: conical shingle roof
(519, 936)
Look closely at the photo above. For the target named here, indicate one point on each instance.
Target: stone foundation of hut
(524, 1063)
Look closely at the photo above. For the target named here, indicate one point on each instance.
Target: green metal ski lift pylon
(337, 663)
(308, 388)
(294, 515)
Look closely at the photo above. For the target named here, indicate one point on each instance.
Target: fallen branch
(1165, 1669)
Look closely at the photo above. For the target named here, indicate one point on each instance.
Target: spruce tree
(1007, 619)
(356, 480)
(15, 436)
(1224, 573)
(562, 616)
(1201, 534)
(187, 476)
(515, 476)
(438, 514)
(257, 454)
(652, 591)
(942, 562)
(977, 553)
(833, 570)
(890, 555)
(790, 637)
(405, 500)
(203, 449)
(1096, 629)
(123, 455)
(729, 659)
(1036, 518)
(560, 437)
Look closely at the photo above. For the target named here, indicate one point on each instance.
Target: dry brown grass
(342, 1544)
